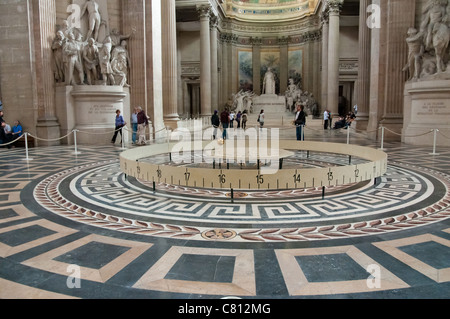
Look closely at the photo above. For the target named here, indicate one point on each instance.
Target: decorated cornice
(309, 23)
(302, 38)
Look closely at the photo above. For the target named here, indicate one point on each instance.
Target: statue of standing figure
(105, 62)
(58, 62)
(120, 63)
(77, 60)
(269, 82)
(91, 61)
(72, 61)
(428, 47)
(94, 18)
(416, 51)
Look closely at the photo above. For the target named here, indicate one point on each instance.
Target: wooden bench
(21, 142)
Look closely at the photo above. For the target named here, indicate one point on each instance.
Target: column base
(48, 131)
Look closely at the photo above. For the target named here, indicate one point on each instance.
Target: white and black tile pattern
(61, 209)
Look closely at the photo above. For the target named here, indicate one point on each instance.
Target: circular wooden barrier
(270, 177)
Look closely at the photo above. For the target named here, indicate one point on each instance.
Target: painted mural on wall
(271, 59)
(296, 66)
(245, 58)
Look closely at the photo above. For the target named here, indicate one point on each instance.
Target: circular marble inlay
(101, 195)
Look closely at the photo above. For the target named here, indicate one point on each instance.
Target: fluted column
(44, 31)
(284, 63)
(400, 19)
(205, 60)
(133, 17)
(170, 63)
(214, 65)
(362, 89)
(257, 42)
(333, 55)
(154, 66)
(325, 36)
(224, 87)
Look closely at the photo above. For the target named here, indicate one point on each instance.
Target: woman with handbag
(120, 123)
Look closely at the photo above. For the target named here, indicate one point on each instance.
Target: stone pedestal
(270, 103)
(274, 107)
(427, 107)
(92, 111)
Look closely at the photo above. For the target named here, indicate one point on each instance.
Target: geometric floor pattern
(73, 226)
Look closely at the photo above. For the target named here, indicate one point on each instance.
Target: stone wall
(16, 69)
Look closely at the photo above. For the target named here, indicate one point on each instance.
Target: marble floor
(73, 226)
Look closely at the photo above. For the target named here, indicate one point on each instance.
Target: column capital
(204, 11)
(284, 40)
(213, 22)
(325, 14)
(334, 6)
(256, 41)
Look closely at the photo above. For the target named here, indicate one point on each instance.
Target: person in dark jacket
(225, 120)
(300, 122)
(215, 122)
(142, 124)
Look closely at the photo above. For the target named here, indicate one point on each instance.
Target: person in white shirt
(232, 116)
(326, 117)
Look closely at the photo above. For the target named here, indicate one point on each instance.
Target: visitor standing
(330, 120)
(120, 123)
(325, 119)
(244, 120)
(225, 120)
(142, 124)
(232, 117)
(134, 125)
(238, 119)
(261, 119)
(215, 122)
(300, 122)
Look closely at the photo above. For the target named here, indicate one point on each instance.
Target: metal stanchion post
(434, 142)
(123, 139)
(382, 138)
(26, 149)
(348, 135)
(75, 142)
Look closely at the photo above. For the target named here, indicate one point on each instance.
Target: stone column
(169, 63)
(214, 65)
(324, 74)
(48, 128)
(400, 19)
(284, 64)
(224, 87)
(377, 77)
(333, 55)
(205, 59)
(133, 21)
(257, 65)
(362, 89)
(154, 68)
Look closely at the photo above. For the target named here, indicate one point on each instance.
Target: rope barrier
(12, 142)
(49, 140)
(440, 133)
(25, 135)
(426, 133)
